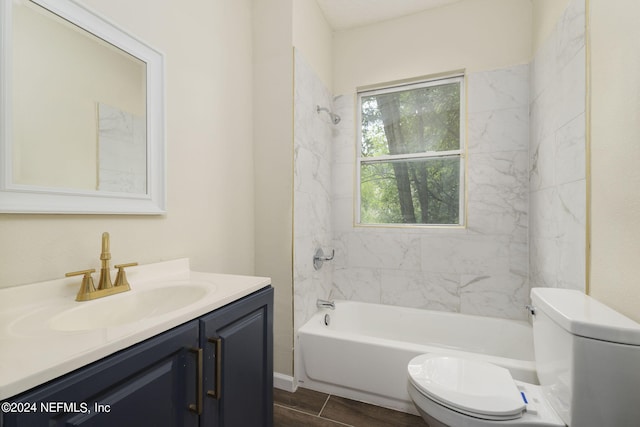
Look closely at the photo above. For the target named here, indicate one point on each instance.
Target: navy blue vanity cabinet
(238, 346)
(152, 383)
(216, 370)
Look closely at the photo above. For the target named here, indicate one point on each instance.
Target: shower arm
(334, 117)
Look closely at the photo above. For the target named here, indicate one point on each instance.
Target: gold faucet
(105, 256)
(87, 290)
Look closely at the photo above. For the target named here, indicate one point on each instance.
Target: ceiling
(344, 14)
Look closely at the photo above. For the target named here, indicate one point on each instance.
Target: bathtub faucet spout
(321, 303)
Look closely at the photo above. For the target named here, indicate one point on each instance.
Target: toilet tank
(587, 359)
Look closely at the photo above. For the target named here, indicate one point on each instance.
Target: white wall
(615, 150)
(313, 37)
(63, 100)
(279, 25)
(273, 154)
(546, 14)
(473, 34)
(208, 50)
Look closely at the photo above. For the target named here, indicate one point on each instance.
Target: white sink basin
(129, 307)
(163, 295)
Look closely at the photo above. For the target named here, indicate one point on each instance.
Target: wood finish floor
(308, 408)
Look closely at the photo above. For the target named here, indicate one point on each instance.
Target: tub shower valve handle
(319, 258)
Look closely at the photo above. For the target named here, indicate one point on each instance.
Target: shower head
(334, 117)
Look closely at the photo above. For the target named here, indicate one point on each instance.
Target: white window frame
(460, 153)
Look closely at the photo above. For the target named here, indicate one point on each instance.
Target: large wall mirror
(82, 113)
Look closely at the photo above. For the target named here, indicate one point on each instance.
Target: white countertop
(32, 352)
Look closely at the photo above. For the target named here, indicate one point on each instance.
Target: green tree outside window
(410, 156)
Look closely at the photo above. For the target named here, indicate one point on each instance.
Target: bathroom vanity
(205, 361)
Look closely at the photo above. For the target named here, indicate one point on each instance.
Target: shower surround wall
(481, 269)
(525, 195)
(312, 189)
(558, 184)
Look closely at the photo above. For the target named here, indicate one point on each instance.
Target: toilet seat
(471, 387)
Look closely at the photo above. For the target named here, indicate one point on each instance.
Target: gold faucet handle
(87, 286)
(121, 277)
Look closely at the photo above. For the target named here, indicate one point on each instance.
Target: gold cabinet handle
(197, 407)
(217, 392)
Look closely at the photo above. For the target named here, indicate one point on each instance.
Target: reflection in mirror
(82, 113)
(56, 119)
(122, 152)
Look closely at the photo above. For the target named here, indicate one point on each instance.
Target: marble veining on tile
(313, 135)
(525, 194)
(557, 229)
(429, 268)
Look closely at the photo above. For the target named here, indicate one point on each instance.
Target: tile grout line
(325, 404)
(325, 418)
(288, 408)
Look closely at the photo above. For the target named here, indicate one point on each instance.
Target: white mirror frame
(16, 198)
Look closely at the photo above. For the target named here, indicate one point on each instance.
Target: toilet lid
(471, 387)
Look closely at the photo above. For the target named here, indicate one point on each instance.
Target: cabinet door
(238, 343)
(150, 384)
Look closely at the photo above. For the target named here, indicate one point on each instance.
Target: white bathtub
(363, 353)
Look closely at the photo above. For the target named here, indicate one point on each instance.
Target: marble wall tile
(313, 134)
(343, 179)
(526, 195)
(499, 130)
(544, 255)
(424, 267)
(544, 223)
(557, 229)
(417, 289)
(525, 204)
(497, 193)
(465, 254)
(519, 258)
(543, 69)
(498, 172)
(357, 283)
(570, 29)
(498, 89)
(367, 248)
(572, 87)
(542, 162)
(343, 147)
(499, 214)
(543, 114)
(570, 151)
(572, 238)
(494, 295)
(342, 214)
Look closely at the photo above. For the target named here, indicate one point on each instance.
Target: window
(410, 162)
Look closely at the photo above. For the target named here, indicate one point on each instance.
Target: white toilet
(587, 360)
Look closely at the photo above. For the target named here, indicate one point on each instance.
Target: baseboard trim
(284, 382)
